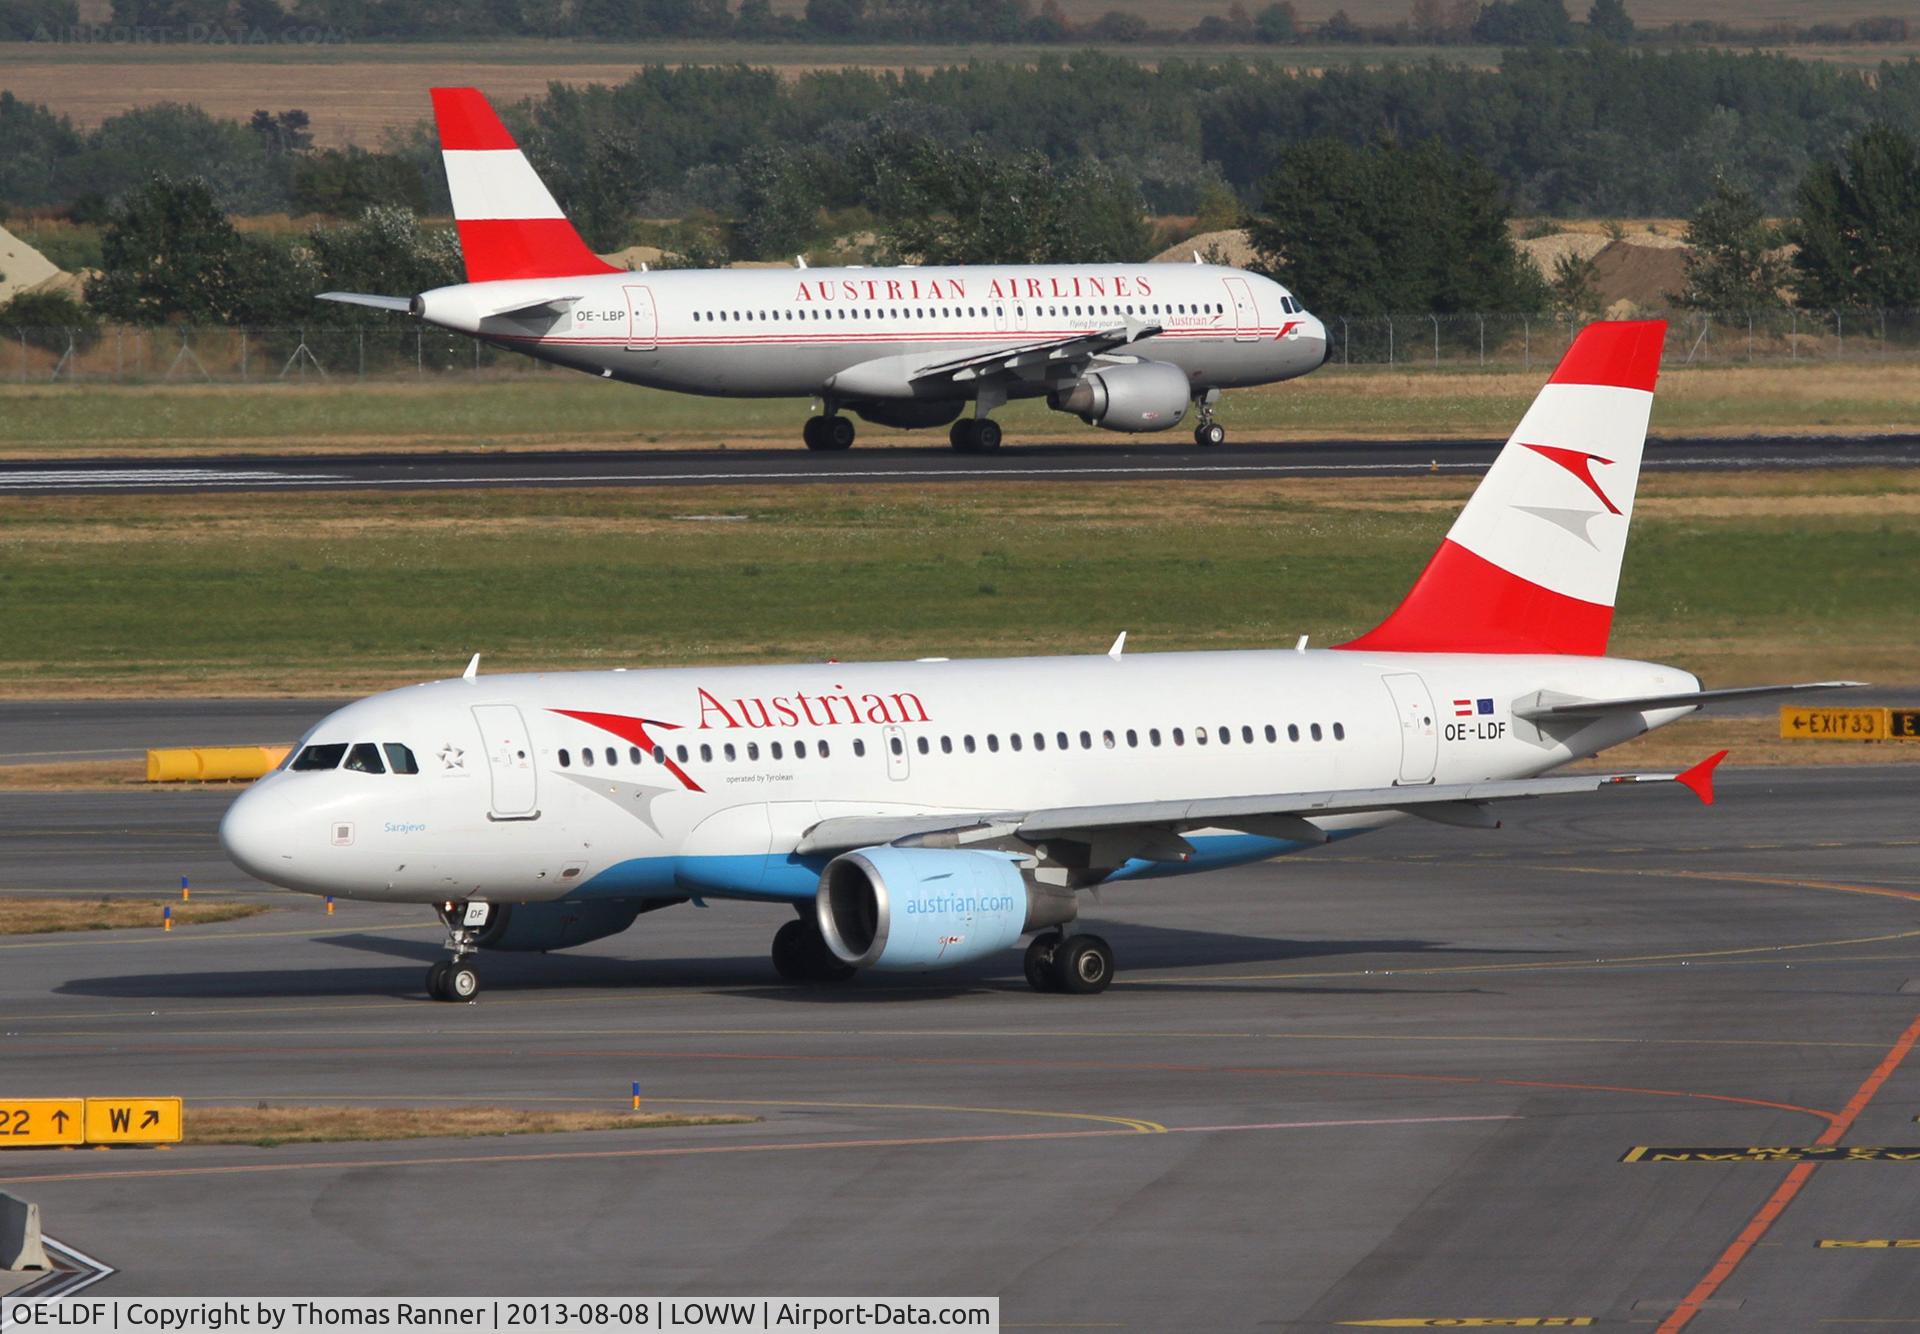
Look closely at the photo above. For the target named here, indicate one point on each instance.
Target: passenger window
(1339, 732)
(1039, 740)
(1246, 734)
(799, 750)
(1179, 737)
(706, 753)
(681, 751)
(321, 757)
(364, 758)
(1226, 736)
(859, 746)
(925, 747)
(1133, 738)
(613, 756)
(1013, 739)
(946, 745)
(893, 744)
(993, 742)
(1271, 734)
(659, 754)
(823, 750)
(1293, 731)
(1106, 738)
(1086, 741)
(1199, 736)
(633, 754)
(1316, 731)
(773, 749)
(726, 750)
(753, 750)
(1060, 739)
(1153, 736)
(400, 759)
(566, 760)
(967, 742)
(586, 756)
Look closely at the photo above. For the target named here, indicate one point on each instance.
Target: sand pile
(1232, 246)
(22, 267)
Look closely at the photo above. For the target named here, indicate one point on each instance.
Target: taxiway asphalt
(926, 463)
(1391, 1079)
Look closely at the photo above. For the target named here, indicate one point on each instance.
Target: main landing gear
(456, 979)
(830, 432)
(1208, 432)
(800, 954)
(1079, 965)
(974, 435)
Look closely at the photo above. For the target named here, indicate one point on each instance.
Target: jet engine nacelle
(908, 909)
(1141, 396)
(555, 926)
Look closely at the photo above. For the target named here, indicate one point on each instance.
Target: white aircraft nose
(257, 833)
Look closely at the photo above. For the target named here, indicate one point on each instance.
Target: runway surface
(919, 462)
(1391, 1079)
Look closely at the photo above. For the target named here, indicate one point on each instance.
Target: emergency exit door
(643, 321)
(1246, 315)
(503, 734)
(1419, 729)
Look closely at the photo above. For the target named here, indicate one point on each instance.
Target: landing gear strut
(830, 432)
(974, 435)
(1079, 965)
(456, 979)
(1208, 432)
(800, 954)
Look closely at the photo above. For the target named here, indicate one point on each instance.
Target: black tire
(814, 433)
(437, 980)
(1210, 436)
(822, 964)
(461, 982)
(986, 435)
(790, 952)
(960, 435)
(1038, 963)
(1083, 965)
(838, 433)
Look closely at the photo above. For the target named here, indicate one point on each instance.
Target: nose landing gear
(457, 979)
(1208, 432)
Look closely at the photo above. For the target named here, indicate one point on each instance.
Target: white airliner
(1126, 347)
(920, 815)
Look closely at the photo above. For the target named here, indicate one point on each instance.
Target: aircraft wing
(1595, 708)
(1153, 828)
(399, 303)
(1032, 360)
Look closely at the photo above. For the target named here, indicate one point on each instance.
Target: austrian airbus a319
(923, 815)
(1126, 347)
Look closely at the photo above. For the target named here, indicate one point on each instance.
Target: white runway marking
(53, 479)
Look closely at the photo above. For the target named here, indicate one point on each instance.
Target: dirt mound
(1232, 246)
(21, 266)
(1548, 251)
(1639, 273)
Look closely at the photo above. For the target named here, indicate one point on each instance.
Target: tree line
(1428, 22)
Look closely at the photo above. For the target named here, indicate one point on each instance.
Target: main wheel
(790, 952)
(986, 435)
(1083, 965)
(1213, 433)
(461, 982)
(838, 432)
(1038, 963)
(822, 964)
(815, 433)
(960, 435)
(437, 980)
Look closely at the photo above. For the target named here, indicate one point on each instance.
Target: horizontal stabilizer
(551, 306)
(1595, 708)
(400, 303)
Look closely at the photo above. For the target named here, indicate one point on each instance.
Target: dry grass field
(28, 916)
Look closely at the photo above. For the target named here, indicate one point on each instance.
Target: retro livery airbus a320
(1126, 347)
(922, 815)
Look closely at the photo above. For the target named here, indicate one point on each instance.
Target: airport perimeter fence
(332, 353)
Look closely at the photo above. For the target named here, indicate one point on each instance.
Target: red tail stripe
(525, 248)
(1621, 353)
(1463, 603)
(467, 121)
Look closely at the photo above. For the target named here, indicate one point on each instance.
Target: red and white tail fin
(1533, 562)
(510, 226)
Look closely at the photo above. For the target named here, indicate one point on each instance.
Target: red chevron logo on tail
(1578, 463)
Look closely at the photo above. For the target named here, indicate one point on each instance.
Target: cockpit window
(364, 758)
(400, 758)
(321, 757)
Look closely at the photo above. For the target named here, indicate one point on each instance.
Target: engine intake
(913, 909)
(1141, 396)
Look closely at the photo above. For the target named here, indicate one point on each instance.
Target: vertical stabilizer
(510, 226)
(1533, 562)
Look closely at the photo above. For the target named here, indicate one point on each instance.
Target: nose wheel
(1078, 965)
(457, 979)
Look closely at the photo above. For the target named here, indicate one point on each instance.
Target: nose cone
(257, 833)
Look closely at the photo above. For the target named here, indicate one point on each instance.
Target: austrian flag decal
(1467, 708)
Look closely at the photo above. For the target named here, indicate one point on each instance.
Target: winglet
(1699, 779)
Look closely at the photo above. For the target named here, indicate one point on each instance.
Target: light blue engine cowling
(906, 909)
